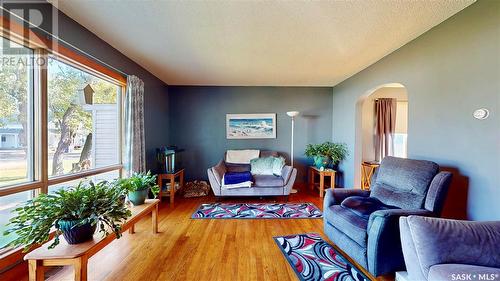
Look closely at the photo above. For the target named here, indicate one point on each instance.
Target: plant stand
(367, 171)
(171, 177)
(313, 171)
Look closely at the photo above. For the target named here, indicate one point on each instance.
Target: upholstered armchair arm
(214, 183)
(286, 172)
(384, 247)
(289, 180)
(336, 196)
(215, 175)
(437, 192)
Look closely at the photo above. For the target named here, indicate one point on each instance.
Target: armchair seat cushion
(364, 206)
(267, 181)
(348, 222)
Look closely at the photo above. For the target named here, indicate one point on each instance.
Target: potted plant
(138, 186)
(325, 153)
(75, 213)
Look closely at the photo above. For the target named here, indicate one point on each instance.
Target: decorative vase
(76, 234)
(321, 161)
(138, 197)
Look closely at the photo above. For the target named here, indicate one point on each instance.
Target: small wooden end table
(367, 170)
(79, 254)
(171, 177)
(326, 172)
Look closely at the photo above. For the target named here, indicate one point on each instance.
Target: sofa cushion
(403, 182)
(364, 206)
(241, 156)
(348, 222)
(446, 272)
(267, 181)
(237, 168)
(268, 153)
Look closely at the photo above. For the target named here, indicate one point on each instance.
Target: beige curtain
(134, 150)
(385, 125)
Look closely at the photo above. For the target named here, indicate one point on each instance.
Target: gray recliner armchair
(446, 250)
(365, 224)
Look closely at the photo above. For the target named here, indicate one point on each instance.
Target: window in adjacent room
(401, 135)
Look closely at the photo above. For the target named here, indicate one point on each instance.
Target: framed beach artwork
(251, 126)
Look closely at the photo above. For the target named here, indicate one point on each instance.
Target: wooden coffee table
(79, 254)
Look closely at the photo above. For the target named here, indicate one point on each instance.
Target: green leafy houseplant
(86, 206)
(327, 152)
(138, 186)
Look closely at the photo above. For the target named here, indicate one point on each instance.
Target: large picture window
(83, 120)
(60, 123)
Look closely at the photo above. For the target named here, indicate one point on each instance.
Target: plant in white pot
(137, 187)
(74, 212)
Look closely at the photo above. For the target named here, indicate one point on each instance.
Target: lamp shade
(292, 113)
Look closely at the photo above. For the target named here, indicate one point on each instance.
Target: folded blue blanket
(237, 177)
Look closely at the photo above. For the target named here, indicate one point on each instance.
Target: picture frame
(251, 126)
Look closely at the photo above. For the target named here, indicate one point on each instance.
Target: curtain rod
(397, 100)
(65, 43)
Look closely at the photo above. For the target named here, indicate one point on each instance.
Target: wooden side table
(78, 255)
(313, 171)
(367, 170)
(171, 177)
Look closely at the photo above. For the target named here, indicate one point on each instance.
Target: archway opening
(366, 121)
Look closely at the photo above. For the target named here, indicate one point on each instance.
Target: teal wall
(448, 72)
(198, 121)
(155, 90)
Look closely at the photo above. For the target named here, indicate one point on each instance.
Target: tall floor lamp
(292, 114)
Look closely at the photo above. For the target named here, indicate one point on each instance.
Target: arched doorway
(365, 124)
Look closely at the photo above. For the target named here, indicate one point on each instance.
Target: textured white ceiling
(275, 43)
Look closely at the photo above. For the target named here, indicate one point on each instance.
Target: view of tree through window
(83, 120)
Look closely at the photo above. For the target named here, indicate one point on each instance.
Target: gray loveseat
(365, 224)
(443, 249)
(264, 185)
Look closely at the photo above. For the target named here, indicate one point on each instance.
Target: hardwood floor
(199, 249)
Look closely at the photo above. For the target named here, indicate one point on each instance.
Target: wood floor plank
(200, 249)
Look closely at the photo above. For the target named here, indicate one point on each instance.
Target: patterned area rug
(314, 259)
(257, 211)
